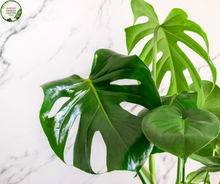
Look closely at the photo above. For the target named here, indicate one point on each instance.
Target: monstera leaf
(165, 40)
(180, 130)
(97, 100)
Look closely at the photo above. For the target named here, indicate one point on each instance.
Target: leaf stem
(152, 166)
(154, 70)
(145, 176)
(183, 170)
(179, 170)
(206, 178)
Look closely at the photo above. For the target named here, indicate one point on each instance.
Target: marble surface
(54, 39)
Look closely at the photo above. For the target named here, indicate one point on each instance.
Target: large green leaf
(183, 101)
(98, 103)
(167, 36)
(180, 134)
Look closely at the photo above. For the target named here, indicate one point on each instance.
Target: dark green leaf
(177, 133)
(98, 103)
(169, 34)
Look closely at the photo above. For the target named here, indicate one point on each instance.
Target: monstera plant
(184, 123)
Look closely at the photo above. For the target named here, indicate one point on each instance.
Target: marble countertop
(54, 39)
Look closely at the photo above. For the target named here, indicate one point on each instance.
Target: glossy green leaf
(183, 101)
(194, 178)
(98, 103)
(168, 34)
(177, 133)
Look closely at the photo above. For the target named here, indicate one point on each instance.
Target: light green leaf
(168, 35)
(204, 170)
(177, 133)
(195, 179)
(98, 103)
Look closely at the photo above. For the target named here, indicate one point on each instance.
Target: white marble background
(54, 39)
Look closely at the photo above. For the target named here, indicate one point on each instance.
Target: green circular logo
(11, 11)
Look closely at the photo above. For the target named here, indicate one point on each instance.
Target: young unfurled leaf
(168, 34)
(98, 103)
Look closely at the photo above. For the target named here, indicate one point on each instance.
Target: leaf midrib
(168, 49)
(92, 88)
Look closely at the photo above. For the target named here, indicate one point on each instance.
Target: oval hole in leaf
(165, 83)
(68, 151)
(126, 82)
(197, 38)
(98, 154)
(57, 105)
(132, 108)
(140, 45)
(187, 75)
(150, 66)
(141, 20)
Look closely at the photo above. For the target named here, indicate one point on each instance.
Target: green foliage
(98, 103)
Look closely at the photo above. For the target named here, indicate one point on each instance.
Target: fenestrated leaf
(98, 103)
(177, 133)
(169, 34)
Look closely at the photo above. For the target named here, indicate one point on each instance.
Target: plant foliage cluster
(184, 122)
